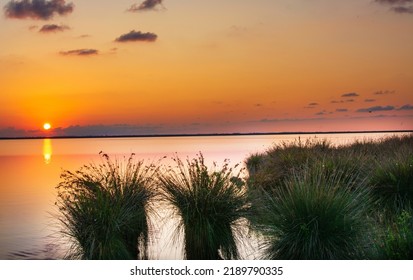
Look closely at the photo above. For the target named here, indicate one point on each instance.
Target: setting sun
(47, 126)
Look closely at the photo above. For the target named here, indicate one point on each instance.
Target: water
(30, 170)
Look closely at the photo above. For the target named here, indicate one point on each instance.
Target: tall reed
(104, 209)
(211, 204)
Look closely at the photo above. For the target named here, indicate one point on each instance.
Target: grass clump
(393, 179)
(316, 215)
(104, 209)
(211, 204)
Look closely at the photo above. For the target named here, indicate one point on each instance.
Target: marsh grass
(316, 215)
(280, 161)
(211, 204)
(104, 209)
(393, 179)
(303, 190)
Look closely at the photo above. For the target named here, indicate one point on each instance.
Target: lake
(30, 170)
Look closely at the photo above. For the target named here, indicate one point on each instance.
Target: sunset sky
(98, 67)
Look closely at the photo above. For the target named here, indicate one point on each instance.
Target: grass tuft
(104, 209)
(316, 215)
(211, 204)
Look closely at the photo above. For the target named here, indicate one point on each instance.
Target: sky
(98, 67)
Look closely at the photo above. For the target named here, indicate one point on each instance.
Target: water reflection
(47, 150)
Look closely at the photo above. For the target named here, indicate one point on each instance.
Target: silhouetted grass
(211, 204)
(104, 209)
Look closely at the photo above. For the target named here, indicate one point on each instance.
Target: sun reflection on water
(47, 150)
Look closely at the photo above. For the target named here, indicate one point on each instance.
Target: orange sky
(205, 66)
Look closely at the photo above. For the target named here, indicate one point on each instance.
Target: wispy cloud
(134, 36)
(52, 28)
(80, 52)
(406, 107)
(403, 10)
(276, 120)
(33, 27)
(37, 9)
(350, 94)
(384, 92)
(311, 105)
(369, 100)
(341, 110)
(146, 5)
(394, 2)
(12, 132)
(99, 130)
(398, 6)
(376, 109)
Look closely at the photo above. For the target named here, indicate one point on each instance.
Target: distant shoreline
(202, 134)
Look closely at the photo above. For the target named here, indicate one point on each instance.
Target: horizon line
(203, 134)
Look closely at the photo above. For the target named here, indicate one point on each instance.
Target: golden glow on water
(47, 150)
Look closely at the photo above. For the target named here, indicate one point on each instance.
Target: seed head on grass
(210, 204)
(104, 209)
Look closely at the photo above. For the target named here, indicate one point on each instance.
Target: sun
(47, 126)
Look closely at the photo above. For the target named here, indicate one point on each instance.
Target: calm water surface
(30, 170)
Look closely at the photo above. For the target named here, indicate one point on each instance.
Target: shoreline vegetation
(46, 136)
(301, 200)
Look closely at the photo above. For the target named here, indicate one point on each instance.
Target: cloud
(341, 110)
(376, 109)
(80, 52)
(351, 94)
(394, 2)
(311, 105)
(350, 100)
(146, 5)
(403, 10)
(398, 6)
(384, 92)
(52, 28)
(108, 130)
(37, 9)
(406, 107)
(11, 132)
(265, 120)
(133, 36)
(369, 100)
